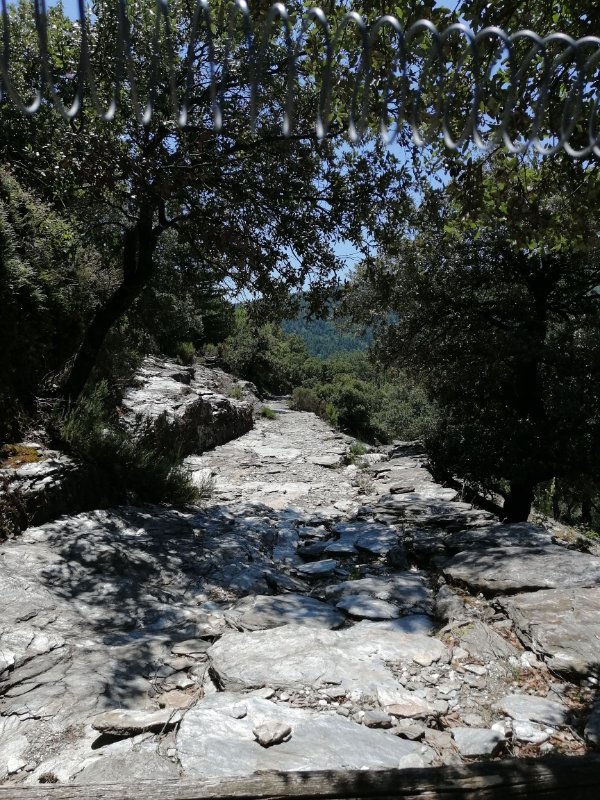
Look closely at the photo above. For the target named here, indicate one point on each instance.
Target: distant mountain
(324, 338)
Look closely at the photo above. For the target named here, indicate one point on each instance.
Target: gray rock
(519, 534)
(178, 396)
(191, 647)
(494, 570)
(377, 540)
(270, 733)
(530, 732)
(477, 741)
(318, 569)
(481, 641)
(211, 744)
(592, 725)
(403, 703)
(365, 607)
(126, 722)
(312, 550)
(329, 460)
(408, 729)
(448, 605)
(376, 719)
(132, 767)
(258, 613)
(560, 624)
(356, 657)
(408, 590)
(533, 709)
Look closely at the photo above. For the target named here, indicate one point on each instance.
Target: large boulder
(355, 658)
(563, 625)
(217, 740)
(178, 398)
(495, 570)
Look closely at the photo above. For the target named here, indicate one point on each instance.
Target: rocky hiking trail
(315, 614)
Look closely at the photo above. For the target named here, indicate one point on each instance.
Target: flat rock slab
(477, 741)
(127, 722)
(521, 534)
(318, 569)
(329, 460)
(365, 607)
(268, 611)
(562, 625)
(403, 703)
(211, 743)
(367, 537)
(294, 656)
(509, 569)
(127, 768)
(481, 641)
(406, 589)
(533, 709)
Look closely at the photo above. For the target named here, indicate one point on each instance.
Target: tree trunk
(138, 267)
(586, 512)
(517, 505)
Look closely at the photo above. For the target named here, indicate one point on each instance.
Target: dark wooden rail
(558, 778)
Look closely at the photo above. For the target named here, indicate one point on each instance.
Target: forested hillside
(327, 337)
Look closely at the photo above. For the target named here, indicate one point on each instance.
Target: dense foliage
(478, 298)
(350, 390)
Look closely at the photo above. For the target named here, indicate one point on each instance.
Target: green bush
(186, 353)
(236, 392)
(145, 462)
(305, 399)
(268, 413)
(48, 281)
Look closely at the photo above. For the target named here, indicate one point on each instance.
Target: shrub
(13, 515)
(268, 413)
(305, 399)
(185, 352)
(145, 462)
(236, 392)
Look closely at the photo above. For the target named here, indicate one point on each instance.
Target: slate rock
(211, 744)
(132, 767)
(477, 741)
(312, 550)
(563, 625)
(269, 611)
(318, 569)
(495, 570)
(529, 732)
(365, 607)
(377, 540)
(403, 703)
(481, 641)
(533, 709)
(448, 605)
(376, 719)
(270, 733)
(406, 589)
(294, 656)
(128, 722)
(517, 534)
(191, 647)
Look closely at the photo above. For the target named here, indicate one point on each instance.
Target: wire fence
(522, 90)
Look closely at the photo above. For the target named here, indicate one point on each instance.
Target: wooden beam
(551, 778)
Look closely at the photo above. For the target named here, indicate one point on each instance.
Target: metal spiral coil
(519, 122)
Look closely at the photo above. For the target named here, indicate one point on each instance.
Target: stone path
(317, 614)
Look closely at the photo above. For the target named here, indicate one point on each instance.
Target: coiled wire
(416, 76)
